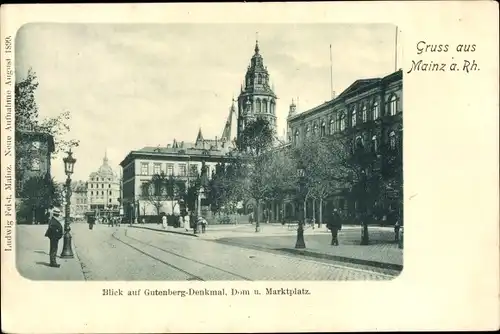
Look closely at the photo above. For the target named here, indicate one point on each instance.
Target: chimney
(334, 95)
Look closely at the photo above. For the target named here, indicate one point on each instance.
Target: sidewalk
(382, 251)
(32, 258)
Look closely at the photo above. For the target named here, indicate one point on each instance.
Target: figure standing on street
(54, 233)
(187, 224)
(335, 225)
(203, 222)
(91, 222)
(164, 222)
(397, 226)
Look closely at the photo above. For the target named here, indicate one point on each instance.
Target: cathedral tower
(256, 99)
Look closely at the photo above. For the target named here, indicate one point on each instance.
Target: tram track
(189, 274)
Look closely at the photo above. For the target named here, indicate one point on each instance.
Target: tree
(256, 138)
(265, 178)
(175, 190)
(154, 191)
(27, 119)
(321, 178)
(38, 194)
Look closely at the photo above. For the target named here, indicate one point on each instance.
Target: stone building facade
(257, 98)
(103, 189)
(35, 159)
(79, 199)
(370, 112)
(181, 160)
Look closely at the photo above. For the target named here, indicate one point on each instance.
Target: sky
(130, 86)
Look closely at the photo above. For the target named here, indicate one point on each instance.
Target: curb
(377, 264)
(383, 265)
(165, 231)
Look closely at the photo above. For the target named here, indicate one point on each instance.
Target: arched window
(392, 140)
(264, 106)
(323, 129)
(393, 105)
(259, 79)
(365, 114)
(272, 107)
(257, 106)
(332, 126)
(375, 110)
(297, 137)
(374, 144)
(353, 117)
(342, 122)
(315, 129)
(308, 131)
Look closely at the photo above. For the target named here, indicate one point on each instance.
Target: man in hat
(335, 225)
(54, 233)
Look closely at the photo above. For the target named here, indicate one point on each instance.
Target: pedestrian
(335, 225)
(187, 224)
(203, 222)
(54, 233)
(397, 227)
(91, 222)
(164, 222)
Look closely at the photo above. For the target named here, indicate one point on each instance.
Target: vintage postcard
(243, 167)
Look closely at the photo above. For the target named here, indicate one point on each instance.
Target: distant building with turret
(103, 189)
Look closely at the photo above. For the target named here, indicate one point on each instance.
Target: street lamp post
(69, 163)
(300, 243)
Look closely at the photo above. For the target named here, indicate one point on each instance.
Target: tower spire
(105, 159)
(257, 42)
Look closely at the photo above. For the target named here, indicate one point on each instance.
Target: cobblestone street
(123, 253)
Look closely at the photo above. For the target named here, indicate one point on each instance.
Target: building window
(297, 137)
(374, 144)
(208, 170)
(97, 179)
(110, 200)
(332, 126)
(264, 106)
(35, 164)
(257, 106)
(365, 114)
(392, 140)
(144, 169)
(315, 129)
(353, 117)
(157, 169)
(393, 105)
(170, 169)
(323, 129)
(109, 185)
(375, 110)
(91, 185)
(341, 122)
(110, 192)
(182, 170)
(91, 193)
(259, 79)
(102, 193)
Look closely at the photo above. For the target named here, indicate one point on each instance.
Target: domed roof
(105, 170)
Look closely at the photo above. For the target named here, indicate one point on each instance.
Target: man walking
(54, 233)
(335, 225)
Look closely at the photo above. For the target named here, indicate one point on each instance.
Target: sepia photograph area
(208, 152)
